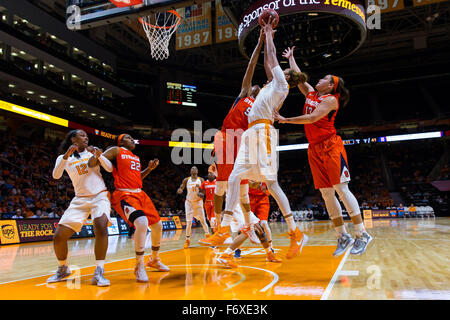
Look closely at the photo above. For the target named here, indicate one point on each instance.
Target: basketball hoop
(159, 28)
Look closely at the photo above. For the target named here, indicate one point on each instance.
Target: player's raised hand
(213, 168)
(70, 151)
(289, 52)
(268, 28)
(152, 164)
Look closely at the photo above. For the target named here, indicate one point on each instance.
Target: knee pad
(243, 195)
(221, 187)
(259, 230)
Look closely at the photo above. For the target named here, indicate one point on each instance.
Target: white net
(159, 28)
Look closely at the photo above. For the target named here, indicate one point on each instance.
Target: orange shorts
(137, 201)
(328, 162)
(226, 154)
(260, 209)
(209, 208)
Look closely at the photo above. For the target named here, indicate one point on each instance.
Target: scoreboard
(181, 94)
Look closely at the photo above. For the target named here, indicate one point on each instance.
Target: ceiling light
(313, 14)
(14, 54)
(43, 97)
(30, 92)
(54, 100)
(51, 66)
(102, 117)
(53, 37)
(71, 106)
(22, 52)
(84, 111)
(11, 85)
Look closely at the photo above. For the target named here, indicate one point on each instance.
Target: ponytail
(68, 142)
(296, 77)
(341, 91)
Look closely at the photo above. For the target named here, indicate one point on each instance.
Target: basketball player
(226, 141)
(327, 156)
(133, 204)
(257, 157)
(260, 206)
(193, 204)
(207, 189)
(91, 198)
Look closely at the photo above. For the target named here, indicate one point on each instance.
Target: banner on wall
(225, 30)
(196, 28)
(9, 233)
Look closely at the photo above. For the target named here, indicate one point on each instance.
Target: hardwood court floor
(408, 259)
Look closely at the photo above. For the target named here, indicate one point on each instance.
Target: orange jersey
(127, 172)
(237, 117)
(209, 187)
(324, 128)
(258, 195)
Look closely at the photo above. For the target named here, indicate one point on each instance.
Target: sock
(62, 263)
(139, 259)
(228, 251)
(100, 263)
(155, 255)
(340, 230)
(359, 228)
(226, 221)
(291, 223)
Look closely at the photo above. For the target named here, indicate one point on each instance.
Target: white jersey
(270, 98)
(193, 187)
(86, 181)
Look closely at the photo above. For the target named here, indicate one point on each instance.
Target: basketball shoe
(361, 244)
(344, 242)
(60, 275)
(98, 278)
(271, 257)
(217, 238)
(227, 260)
(139, 272)
(237, 254)
(298, 240)
(157, 264)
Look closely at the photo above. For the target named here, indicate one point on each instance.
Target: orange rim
(164, 27)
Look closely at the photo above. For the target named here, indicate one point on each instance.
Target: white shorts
(194, 209)
(239, 221)
(257, 157)
(81, 207)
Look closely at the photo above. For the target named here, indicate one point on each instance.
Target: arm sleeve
(280, 83)
(60, 165)
(105, 163)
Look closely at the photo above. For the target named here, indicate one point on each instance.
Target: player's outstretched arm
(325, 107)
(246, 88)
(305, 87)
(270, 56)
(98, 158)
(182, 186)
(152, 164)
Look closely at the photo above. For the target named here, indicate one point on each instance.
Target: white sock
(100, 263)
(62, 263)
(228, 251)
(226, 221)
(359, 228)
(291, 223)
(340, 230)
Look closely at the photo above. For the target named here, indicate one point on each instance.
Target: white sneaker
(139, 272)
(250, 233)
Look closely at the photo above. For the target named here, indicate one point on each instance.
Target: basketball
(265, 16)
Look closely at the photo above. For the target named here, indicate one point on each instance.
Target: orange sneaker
(227, 260)
(271, 257)
(187, 243)
(217, 238)
(157, 264)
(207, 235)
(298, 240)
